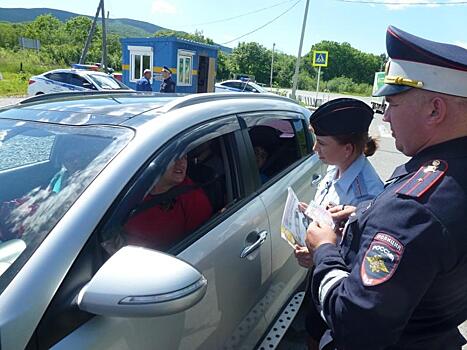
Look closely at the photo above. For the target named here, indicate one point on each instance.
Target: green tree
(254, 59)
(223, 66)
(284, 67)
(196, 36)
(9, 36)
(46, 28)
(345, 61)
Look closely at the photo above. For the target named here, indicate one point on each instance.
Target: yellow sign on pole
(320, 58)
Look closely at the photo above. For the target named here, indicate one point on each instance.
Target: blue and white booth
(193, 64)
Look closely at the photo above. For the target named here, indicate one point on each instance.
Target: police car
(239, 86)
(60, 80)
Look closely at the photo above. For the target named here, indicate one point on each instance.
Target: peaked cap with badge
(424, 64)
(342, 116)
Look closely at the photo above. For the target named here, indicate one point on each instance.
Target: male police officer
(167, 85)
(398, 277)
(144, 84)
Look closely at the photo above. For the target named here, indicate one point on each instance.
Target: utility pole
(82, 59)
(297, 64)
(272, 65)
(104, 39)
(90, 34)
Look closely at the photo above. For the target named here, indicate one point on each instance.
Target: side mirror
(140, 282)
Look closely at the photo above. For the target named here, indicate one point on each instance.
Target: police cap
(166, 69)
(342, 116)
(419, 63)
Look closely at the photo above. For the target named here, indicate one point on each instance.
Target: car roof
(116, 108)
(77, 71)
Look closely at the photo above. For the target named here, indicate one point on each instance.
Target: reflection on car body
(64, 253)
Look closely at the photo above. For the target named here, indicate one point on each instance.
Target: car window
(78, 80)
(107, 82)
(247, 87)
(233, 84)
(60, 77)
(277, 143)
(44, 170)
(180, 191)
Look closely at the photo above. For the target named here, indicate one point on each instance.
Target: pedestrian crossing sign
(320, 58)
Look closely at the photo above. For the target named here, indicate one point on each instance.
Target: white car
(60, 80)
(238, 86)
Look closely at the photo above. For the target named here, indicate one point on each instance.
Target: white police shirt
(359, 182)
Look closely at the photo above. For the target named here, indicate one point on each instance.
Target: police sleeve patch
(381, 259)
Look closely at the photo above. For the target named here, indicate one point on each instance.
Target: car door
(232, 250)
(291, 162)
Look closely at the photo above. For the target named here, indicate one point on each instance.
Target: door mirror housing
(140, 282)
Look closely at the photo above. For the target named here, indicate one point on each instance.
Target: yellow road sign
(320, 58)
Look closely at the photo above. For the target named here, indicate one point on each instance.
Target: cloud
(163, 6)
(403, 4)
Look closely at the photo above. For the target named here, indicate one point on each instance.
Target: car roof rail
(54, 95)
(194, 99)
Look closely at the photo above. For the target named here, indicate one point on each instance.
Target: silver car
(74, 169)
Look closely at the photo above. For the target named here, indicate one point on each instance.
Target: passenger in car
(261, 155)
(172, 209)
(342, 141)
(265, 141)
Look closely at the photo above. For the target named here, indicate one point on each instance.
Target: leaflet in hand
(317, 213)
(294, 223)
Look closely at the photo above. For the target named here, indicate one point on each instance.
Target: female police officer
(342, 141)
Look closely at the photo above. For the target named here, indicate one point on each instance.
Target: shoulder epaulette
(424, 179)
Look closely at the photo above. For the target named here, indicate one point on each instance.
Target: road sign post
(320, 59)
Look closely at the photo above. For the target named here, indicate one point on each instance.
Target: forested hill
(124, 27)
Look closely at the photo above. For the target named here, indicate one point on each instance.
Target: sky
(361, 24)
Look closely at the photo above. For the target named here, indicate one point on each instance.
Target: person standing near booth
(144, 84)
(167, 85)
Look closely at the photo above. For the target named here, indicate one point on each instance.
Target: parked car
(74, 168)
(60, 80)
(238, 86)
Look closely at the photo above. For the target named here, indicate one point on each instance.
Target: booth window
(185, 68)
(140, 59)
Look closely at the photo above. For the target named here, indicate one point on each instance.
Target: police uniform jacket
(167, 85)
(358, 183)
(398, 279)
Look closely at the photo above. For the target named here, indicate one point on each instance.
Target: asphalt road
(384, 160)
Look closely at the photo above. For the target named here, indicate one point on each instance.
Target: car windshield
(44, 168)
(107, 82)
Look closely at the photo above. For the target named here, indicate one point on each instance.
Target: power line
(264, 25)
(238, 16)
(403, 3)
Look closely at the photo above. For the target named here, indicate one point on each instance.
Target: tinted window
(277, 143)
(60, 77)
(77, 80)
